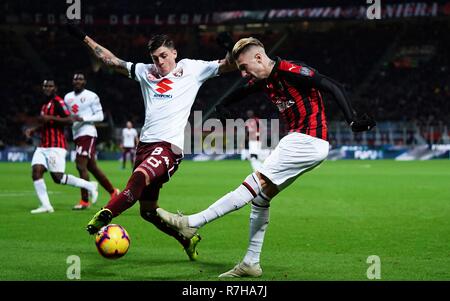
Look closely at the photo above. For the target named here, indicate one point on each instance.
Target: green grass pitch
(322, 227)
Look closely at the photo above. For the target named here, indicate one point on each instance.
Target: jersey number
(155, 162)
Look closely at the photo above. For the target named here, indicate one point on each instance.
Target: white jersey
(168, 100)
(129, 137)
(86, 105)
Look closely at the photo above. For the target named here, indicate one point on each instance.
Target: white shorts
(295, 154)
(53, 158)
(254, 147)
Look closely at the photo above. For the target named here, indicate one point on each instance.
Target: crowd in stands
(355, 53)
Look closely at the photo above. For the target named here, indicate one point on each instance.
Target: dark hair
(160, 40)
(49, 79)
(80, 73)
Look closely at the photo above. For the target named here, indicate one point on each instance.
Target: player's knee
(141, 171)
(37, 174)
(81, 167)
(252, 184)
(56, 177)
(262, 200)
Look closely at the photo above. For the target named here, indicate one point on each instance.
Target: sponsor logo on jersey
(163, 87)
(75, 108)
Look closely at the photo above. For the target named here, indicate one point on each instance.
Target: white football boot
(243, 270)
(177, 221)
(42, 209)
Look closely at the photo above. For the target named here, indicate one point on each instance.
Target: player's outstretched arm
(106, 56)
(357, 123)
(69, 120)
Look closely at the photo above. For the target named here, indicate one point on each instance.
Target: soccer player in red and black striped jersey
(296, 90)
(51, 153)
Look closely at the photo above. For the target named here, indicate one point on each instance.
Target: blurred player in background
(51, 153)
(295, 89)
(169, 90)
(254, 143)
(129, 141)
(86, 105)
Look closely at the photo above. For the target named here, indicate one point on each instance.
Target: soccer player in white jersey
(295, 89)
(129, 141)
(51, 153)
(169, 89)
(86, 105)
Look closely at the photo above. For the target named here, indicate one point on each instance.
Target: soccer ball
(112, 241)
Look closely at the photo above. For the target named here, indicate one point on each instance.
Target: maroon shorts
(85, 146)
(159, 160)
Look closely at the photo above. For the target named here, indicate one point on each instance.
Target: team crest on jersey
(178, 72)
(306, 71)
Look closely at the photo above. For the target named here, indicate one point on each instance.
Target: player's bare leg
(148, 212)
(101, 177)
(37, 174)
(132, 155)
(124, 158)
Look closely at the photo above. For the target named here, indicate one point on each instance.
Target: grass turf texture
(322, 227)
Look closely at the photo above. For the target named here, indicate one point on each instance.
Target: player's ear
(258, 57)
(174, 51)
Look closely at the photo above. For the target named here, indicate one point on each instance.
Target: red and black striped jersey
(52, 134)
(295, 89)
(291, 89)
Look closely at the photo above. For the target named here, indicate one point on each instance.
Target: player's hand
(75, 118)
(225, 41)
(44, 119)
(363, 123)
(76, 32)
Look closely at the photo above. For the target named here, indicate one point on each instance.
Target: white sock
(77, 182)
(229, 202)
(255, 163)
(259, 220)
(41, 191)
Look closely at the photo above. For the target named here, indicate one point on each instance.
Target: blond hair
(244, 44)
